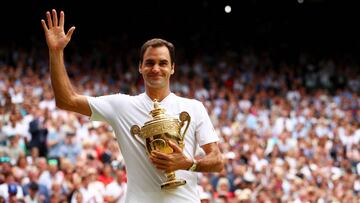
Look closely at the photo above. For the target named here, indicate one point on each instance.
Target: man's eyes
(153, 63)
(149, 63)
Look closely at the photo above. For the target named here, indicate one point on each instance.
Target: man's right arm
(65, 96)
(56, 39)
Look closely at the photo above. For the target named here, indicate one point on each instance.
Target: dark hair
(34, 186)
(157, 42)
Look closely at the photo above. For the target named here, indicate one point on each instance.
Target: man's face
(156, 67)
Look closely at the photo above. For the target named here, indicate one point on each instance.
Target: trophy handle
(184, 116)
(135, 132)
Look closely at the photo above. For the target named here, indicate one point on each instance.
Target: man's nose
(155, 68)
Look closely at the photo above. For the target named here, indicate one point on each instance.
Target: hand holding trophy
(158, 132)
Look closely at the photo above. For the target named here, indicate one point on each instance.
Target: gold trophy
(157, 132)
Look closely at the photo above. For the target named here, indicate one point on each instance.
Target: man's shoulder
(119, 94)
(116, 97)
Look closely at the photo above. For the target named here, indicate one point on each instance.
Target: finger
(175, 147)
(62, 19)
(44, 25)
(160, 155)
(157, 161)
(70, 32)
(55, 18)
(48, 17)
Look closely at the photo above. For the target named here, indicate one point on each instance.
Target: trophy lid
(157, 112)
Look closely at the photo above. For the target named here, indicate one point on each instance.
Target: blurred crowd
(289, 129)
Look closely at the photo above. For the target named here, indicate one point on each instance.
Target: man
(115, 191)
(33, 195)
(156, 65)
(11, 190)
(42, 190)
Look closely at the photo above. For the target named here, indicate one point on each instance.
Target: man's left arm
(211, 162)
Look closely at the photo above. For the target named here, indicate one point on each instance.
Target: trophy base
(172, 184)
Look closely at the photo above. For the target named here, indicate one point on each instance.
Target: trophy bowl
(156, 133)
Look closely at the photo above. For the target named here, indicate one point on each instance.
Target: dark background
(318, 26)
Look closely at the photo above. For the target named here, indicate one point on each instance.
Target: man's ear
(140, 69)
(172, 69)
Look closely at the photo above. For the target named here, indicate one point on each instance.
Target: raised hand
(56, 38)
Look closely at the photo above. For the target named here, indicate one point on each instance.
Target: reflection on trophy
(157, 132)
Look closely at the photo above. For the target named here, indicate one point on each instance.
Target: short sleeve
(104, 108)
(99, 108)
(205, 132)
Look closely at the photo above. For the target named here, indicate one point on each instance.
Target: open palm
(56, 38)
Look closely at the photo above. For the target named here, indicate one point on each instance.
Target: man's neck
(158, 94)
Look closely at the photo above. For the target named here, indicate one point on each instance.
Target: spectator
(115, 191)
(42, 190)
(70, 148)
(33, 195)
(11, 190)
(38, 133)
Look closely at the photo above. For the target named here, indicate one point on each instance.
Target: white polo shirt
(123, 111)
